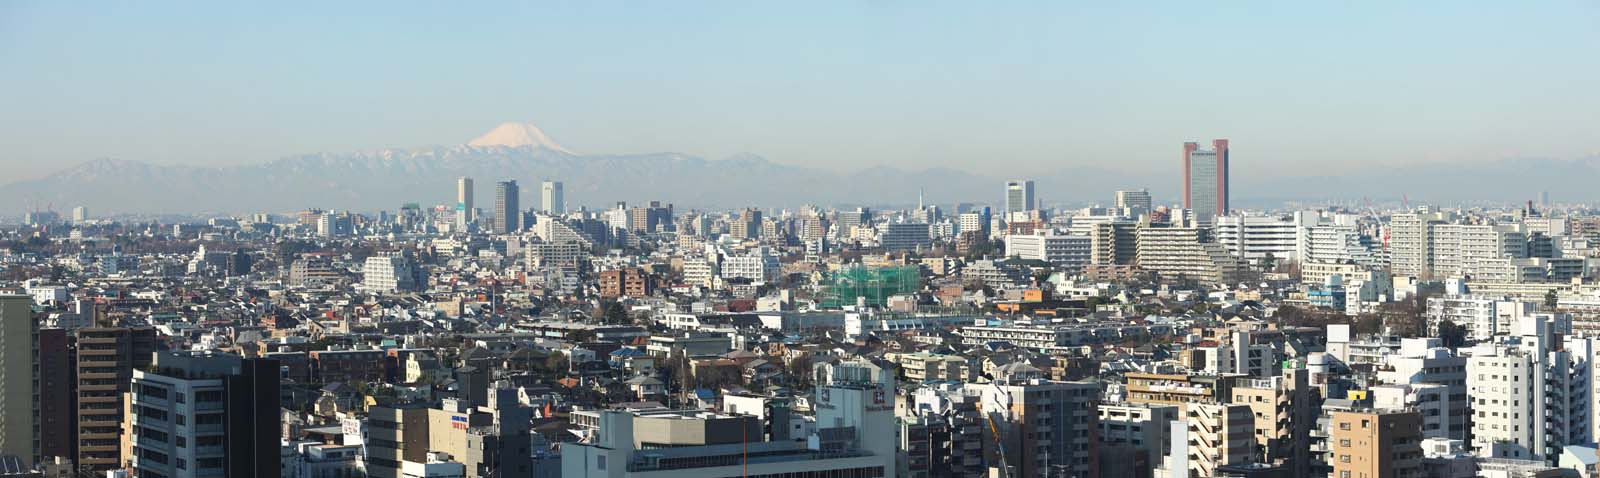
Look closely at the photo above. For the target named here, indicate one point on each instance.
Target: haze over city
(1029, 87)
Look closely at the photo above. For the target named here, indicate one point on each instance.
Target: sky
(1018, 86)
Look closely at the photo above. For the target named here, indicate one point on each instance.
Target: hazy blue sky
(967, 85)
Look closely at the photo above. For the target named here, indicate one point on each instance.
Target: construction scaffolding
(876, 285)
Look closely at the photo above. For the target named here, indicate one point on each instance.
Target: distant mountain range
(387, 178)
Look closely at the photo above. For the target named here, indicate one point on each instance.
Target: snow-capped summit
(517, 134)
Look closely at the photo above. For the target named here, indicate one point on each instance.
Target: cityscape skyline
(870, 239)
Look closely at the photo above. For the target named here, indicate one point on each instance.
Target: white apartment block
(1529, 399)
(1066, 252)
(389, 273)
(758, 265)
(1457, 246)
(1411, 242)
(1176, 252)
(1252, 238)
(1482, 317)
(1418, 368)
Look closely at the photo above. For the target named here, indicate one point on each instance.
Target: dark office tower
(507, 211)
(107, 357)
(205, 414)
(1205, 180)
(58, 435)
(17, 375)
(253, 424)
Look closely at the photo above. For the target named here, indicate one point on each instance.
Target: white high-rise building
(1530, 398)
(80, 215)
(1019, 196)
(1411, 245)
(555, 201)
(1457, 247)
(464, 200)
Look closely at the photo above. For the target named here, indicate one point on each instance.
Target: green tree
(615, 314)
(1451, 334)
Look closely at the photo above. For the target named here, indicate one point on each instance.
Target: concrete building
(1135, 202)
(1411, 246)
(905, 236)
(1285, 412)
(391, 272)
(18, 327)
(1336, 244)
(1047, 427)
(855, 402)
(1256, 238)
(1066, 252)
(758, 265)
(464, 199)
(957, 452)
(107, 357)
(204, 415)
(1529, 396)
(1186, 253)
(1457, 247)
(1205, 180)
(1209, 438)
(1135, 437)
(1019, 197)
(633, 444)
(625, 282)
(490, 440)
(56, 393)
(1424, 372)
(507, 208)
(554, 198)
(930, 367)
(1376, 444)
(1483, 317)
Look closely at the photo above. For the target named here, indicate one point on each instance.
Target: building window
(600, 462)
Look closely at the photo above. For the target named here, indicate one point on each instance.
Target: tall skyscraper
(507, 212)
(464, 204)
(1019, 196)
(1205, 180)
(555, 202)
(17, 327)
(80, 215)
